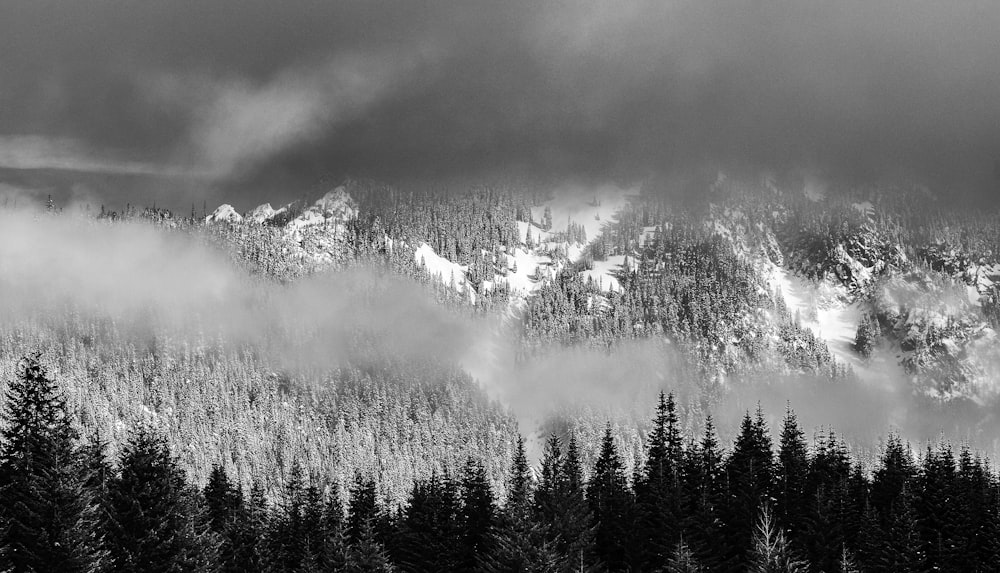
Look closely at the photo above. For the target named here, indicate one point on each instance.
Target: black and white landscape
(499, 286)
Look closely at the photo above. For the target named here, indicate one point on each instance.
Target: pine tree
(749, 477)
(518, 542)
(51, 519)
(894, 546)
(222, 499)
(830, 516)
(867, 336)
(683, 561)
(289, 532)
(704, 500)
(224, 507)
(771, 551)
(333, 532)
(99, 474)
(312, 530)
(940, 522)
(895, 473)
(366, 554)
(977, 504)
(561, 506)
(519, 485)
(156, 521)
(363, 508)
(792, 469)
(477, 515)
(549, 483)
(429, 533)
(657, 490)
(612, 504)
(250, 535)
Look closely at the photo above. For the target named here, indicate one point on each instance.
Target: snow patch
(591, 208)
(447, 272)
(538, 236)
(824, 310)
(531, 270)
(604, 272)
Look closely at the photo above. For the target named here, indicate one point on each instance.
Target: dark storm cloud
(288, 91)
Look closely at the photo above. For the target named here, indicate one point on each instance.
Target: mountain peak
(225, 213)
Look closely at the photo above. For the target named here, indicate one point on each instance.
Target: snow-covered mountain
(225, 213)
(331, 211)
(304, 239)
(839, 264)
(835, 265)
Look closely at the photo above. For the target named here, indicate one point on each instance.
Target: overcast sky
(251, 94)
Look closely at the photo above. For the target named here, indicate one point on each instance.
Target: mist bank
(151, 282)
(579, 389)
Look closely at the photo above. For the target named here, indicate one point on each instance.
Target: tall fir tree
(363, 508)
(288, 528)
(519, 486)
(891, 542)
(156, 521)
(333, 531)
(657, 489)
(429, 536)
(518, 542)
(477, 515)
(51, 518)
(704, 498)
(561, 506)
(250, 535)
(831, 513)
(941, 523)
(791, 472)
(366, 554)
(224, 506)
(895, 473)
(549, 483)
(612, 504)
(749, 474)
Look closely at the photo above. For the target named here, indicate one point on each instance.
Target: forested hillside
(746, 283)
(693, 504)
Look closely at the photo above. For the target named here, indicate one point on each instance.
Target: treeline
(396, 417)
(692, 506)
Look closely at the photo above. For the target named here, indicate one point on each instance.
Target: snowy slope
(590, 207)
(825, 310)
(604, 271)
(447, 272)
(529, 266)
